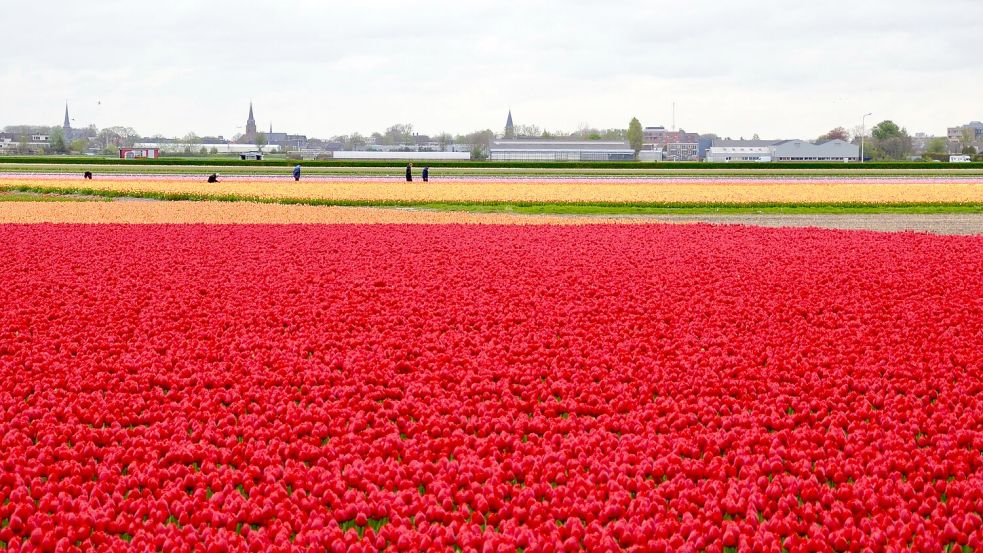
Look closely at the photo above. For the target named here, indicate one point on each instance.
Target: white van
(960, 159)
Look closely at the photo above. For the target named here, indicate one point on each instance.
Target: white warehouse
(723, 151)
(560, 150)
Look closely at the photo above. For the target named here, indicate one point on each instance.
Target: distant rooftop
(745, 143)
(558, 143)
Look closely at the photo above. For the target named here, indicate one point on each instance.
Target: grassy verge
(716, 209)
(47, 197)
(571, 208)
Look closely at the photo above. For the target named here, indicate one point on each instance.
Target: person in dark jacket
(87, 175)
(426, 174)
(213, 178)
(297, 172)
(409, 172)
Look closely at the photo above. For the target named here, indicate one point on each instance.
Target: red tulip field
(665, 388)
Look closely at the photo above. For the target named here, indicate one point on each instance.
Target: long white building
(178, 147)
(724, 151)
(560, 150)
(409, 156)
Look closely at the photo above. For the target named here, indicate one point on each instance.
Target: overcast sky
(778, 68)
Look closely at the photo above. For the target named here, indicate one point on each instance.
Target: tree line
(884, 141)
(887, 141)
(107, 140)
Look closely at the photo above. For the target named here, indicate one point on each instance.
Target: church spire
(509, 127)
(251, 124)
(68, 124)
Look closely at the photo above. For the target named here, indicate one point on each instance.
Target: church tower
(67, 125)
(509, 127)
(251, 124)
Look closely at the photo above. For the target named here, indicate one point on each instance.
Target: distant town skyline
(778, 69)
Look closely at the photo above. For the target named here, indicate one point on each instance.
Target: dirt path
(955, 223)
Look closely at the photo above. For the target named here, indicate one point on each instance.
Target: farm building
(220, 148)
(24, 143)
(782, 150)
(560, 150)
(682, 151)
(138, 153)
(800, 150)
(409, 156)
(740, 150)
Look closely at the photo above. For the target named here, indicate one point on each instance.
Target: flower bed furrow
(474, 388)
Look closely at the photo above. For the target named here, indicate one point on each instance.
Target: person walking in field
(87, 175)
(426, 174)
(296, 172)
(409, 172)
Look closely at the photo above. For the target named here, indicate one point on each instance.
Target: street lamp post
(863, 132)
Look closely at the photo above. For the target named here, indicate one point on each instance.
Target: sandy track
(949, 223)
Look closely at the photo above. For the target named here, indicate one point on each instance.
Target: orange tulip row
(701, 191)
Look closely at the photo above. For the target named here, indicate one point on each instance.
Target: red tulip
(665, 388)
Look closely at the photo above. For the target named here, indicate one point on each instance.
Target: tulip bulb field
(417, 387)
(675, 190)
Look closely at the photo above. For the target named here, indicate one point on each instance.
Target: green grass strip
(570, 208)
(46, 197)
(708, 209)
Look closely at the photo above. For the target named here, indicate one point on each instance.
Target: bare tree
(399, 133)
(444, 139)
(615, 134)
(859, 131)
(839, 133)
(120, 137)
(354, 141)
(480, 142)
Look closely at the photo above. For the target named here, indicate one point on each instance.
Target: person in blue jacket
(426, 174)
(297, 172)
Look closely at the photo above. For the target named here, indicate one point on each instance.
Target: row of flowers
(216, 212)
(706, 190)
(489, 388)
(519, 175)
